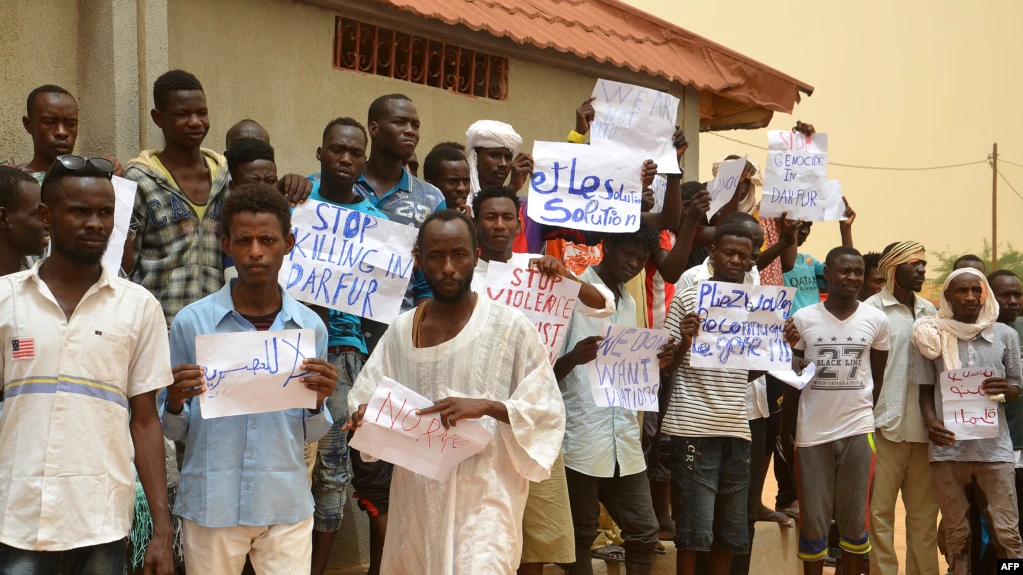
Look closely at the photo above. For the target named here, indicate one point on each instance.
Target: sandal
(609, 553)
(777, 517)
(660, 550)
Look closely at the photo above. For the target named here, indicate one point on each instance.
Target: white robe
(471, 525)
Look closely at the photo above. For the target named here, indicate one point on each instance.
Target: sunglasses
(80, 163)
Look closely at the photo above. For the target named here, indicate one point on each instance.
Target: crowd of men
(100, 371)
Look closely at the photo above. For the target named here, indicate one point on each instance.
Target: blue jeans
(330, 471)
(710, 481)
(104, 559)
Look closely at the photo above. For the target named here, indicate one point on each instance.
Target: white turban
(487, 134)
(939, 335)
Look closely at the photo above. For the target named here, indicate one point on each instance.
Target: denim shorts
(710, 483)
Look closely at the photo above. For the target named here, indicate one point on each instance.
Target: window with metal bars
(376, 50)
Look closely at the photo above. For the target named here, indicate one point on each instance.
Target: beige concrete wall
(38, 45)
(297, 91)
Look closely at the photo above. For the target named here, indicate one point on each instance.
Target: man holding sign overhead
(243, 483)
(965, 335)
(476, 360)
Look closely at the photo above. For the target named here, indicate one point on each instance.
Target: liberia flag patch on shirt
(23, 348)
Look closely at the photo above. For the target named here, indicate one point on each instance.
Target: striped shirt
(66, 475)
(704, 402)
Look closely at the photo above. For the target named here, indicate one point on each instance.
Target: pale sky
(897, 83)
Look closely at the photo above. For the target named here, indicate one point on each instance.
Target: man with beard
(478, 360)
(80, 376)
(848, 343)
(900, 437)
(965, 333)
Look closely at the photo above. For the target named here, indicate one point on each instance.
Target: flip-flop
(779, 518)
(660, 550)
(791, 511)
(605, 553)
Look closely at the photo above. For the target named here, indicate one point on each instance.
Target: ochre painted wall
(38, 45)
(270, 60)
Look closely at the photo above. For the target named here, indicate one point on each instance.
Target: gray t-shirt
(996, 348)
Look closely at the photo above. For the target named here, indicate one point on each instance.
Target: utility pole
(994, 208)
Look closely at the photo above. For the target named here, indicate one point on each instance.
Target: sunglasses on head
(71, 163)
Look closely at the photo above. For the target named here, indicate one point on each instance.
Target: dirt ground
(771, 488)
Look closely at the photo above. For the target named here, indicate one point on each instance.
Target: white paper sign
(834, 203)
(966, 410)
(393, 430)
(722, 188)
(743, 327)
(596, 188)
(348, 261)
(124, 204)
(795, 175)
(547, 302)
(636, 118)
(254, 371)
(659, 187)
(796, 380)
(626, 373)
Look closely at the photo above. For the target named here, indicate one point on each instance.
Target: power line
(885, 168)
(1000, 159)
(1011, 187)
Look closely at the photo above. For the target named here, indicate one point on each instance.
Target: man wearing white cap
(492, 149)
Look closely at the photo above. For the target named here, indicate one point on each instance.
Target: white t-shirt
(839, 401)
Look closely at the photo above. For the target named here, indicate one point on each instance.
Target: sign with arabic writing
(254, 371)
(966, 408)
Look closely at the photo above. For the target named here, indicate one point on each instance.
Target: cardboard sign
(546, 301)
(596, 188)
(348, 261)
(636, 118)
(626, 373)
(254, 371)
(966, 410)
(743, 327)
(393, 430)
(795, 176)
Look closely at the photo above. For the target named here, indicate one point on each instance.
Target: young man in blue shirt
(243, 483)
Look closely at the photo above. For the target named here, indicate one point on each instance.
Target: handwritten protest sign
(834, 203)
(722, 187)
(546, 301)
(659, 186)
(743, 327)
(254, 371)
(626, 373)
(348, 261)
(592, 188)
(967, 411)
(795, 175)
(124, 204)
(636, 118)
(395, 431)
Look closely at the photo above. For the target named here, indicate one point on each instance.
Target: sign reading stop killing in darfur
(348, 261)
(638, 119)
(742, 327)
(546, 301)
(626, 372)
(795, 175)
(595, 188)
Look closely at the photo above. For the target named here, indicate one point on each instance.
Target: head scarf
(903, 252)
(940, 335)
(487, 134)
(749, 204)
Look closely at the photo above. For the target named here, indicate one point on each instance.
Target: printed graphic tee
(839, 401)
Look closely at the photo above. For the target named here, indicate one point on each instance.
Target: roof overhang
(614, 41)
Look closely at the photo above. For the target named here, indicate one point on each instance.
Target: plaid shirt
(177, 256)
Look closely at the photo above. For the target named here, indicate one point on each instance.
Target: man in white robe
(477, 360)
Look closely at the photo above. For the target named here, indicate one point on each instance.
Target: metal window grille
(376, 50)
